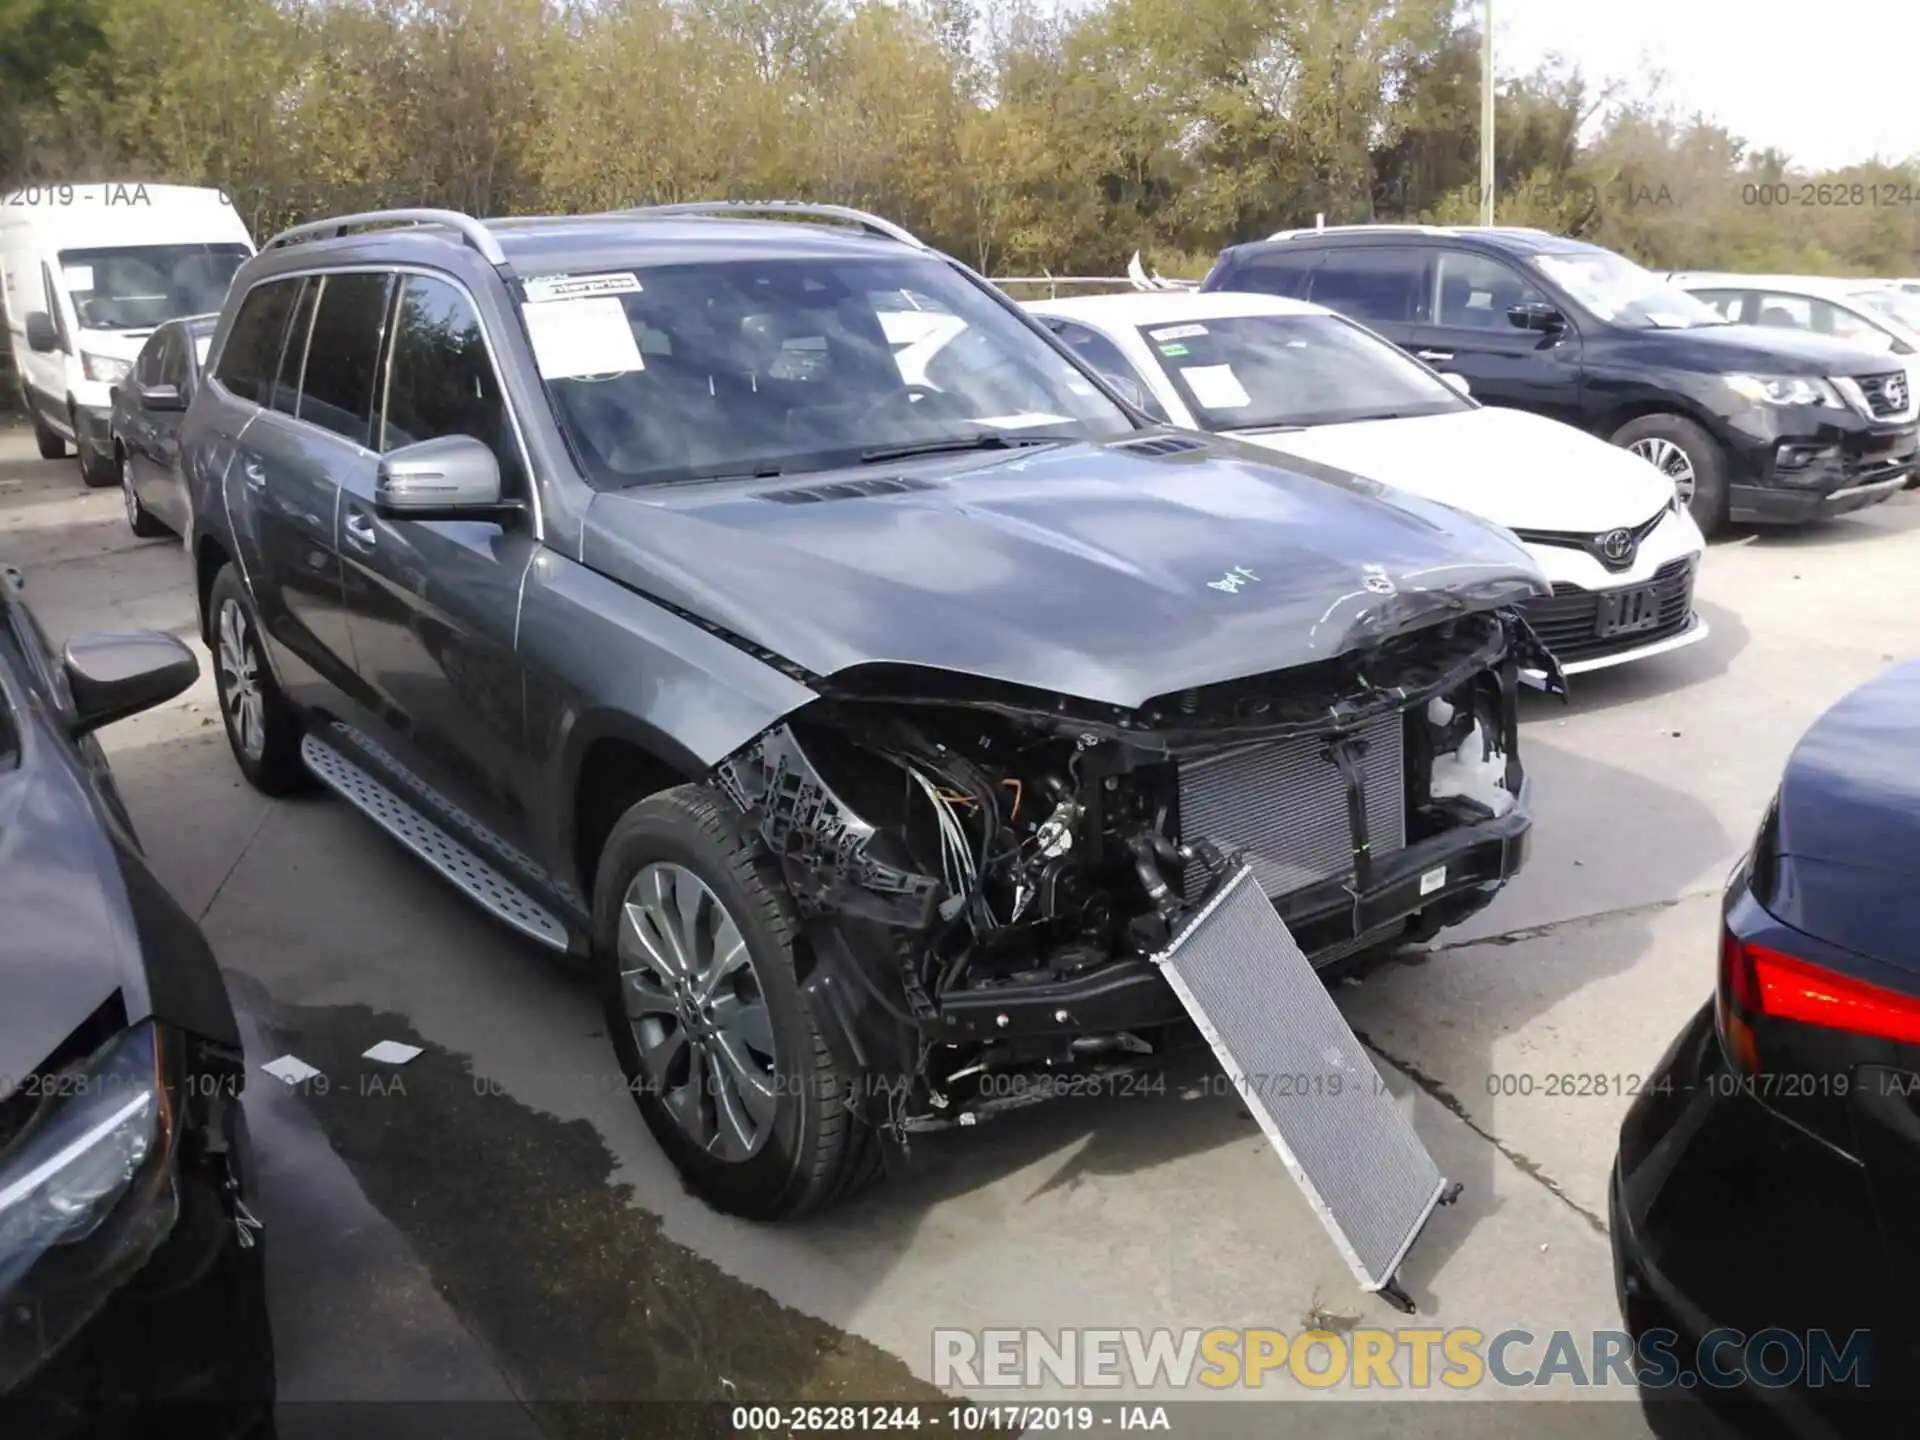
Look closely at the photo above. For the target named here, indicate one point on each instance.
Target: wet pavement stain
(588, 1307)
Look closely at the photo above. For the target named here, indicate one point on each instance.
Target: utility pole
(1486, 113)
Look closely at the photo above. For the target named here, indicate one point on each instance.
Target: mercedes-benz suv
(869, 736)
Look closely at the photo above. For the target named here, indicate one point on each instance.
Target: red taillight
(1757, 982)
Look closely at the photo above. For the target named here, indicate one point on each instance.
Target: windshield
(1615, 289)
(765, 367)
(1896, 305)
(1253, 372)
(137, 287)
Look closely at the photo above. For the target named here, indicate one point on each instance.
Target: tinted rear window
(251, 357)
(1370, 283)
(1268, 272)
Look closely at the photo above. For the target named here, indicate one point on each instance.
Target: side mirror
(1456, 382)
(161, 397)
(42, 338)
(452, 478)
(114, 674)
(1536, 316)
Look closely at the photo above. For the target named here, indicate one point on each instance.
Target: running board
(474, 877)
(1307, 1079)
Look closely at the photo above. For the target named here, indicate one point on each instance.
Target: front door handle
(255, 473)
(1434, 354)
(360, 531)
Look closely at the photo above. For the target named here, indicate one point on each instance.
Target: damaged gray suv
(869, 723)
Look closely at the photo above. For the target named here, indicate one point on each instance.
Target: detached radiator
(1307, 1079)
(1286, 805)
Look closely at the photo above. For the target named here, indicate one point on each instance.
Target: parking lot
(498, 1223)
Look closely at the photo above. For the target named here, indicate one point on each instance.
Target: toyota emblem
(1617, 546)
(1897, 393)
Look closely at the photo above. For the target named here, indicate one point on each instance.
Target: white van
(86, 274)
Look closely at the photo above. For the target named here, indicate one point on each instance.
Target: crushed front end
(986, 874)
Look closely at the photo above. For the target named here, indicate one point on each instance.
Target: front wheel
(693, 935)
(50, 445)
(1686, 455)
(263, 728)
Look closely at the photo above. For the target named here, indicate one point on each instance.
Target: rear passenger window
(286, 388)
(343, 353)
(440, 380)
(1271, 274)
(251, 357)
(1371, 283)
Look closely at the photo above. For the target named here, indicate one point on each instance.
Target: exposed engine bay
(984, 873)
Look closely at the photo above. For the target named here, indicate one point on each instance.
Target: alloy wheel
(239, 680)
(1670, 460)
(698, 1014)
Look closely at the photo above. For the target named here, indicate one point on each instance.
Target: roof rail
(845, 214)
(1414, 229)
(471, 231)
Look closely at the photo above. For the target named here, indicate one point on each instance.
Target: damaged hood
(1519, 470)
(1101, 571)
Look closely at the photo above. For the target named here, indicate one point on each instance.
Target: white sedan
(1605, 525)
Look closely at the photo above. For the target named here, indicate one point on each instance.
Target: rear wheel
(1686, 455)
(263, 728)
(693, 952)
(144, 525)
(51, 446)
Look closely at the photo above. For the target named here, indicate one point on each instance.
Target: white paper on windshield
(1022, 422)
(202, 346)
(582, 337)
(581, 287)
(1216, 387)
(78, 277)
(1179, 332)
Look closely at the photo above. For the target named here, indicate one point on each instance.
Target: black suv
(867, 723)
(1752, 424)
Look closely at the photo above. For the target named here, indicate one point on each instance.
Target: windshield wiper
(955, 445)
(1270, 429)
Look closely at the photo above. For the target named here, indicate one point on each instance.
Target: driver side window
(441, 380)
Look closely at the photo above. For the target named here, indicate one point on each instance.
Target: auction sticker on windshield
(591, 336)
(78, 277)
(1179, 332)
(581, 287)
(1216, 387)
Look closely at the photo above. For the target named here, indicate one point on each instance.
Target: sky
(1828, 83)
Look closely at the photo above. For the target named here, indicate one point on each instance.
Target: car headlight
(104, 368)
(86, 1195)
(1785, 390)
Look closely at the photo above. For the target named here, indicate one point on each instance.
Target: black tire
(142, 523)
(817, 1150)
(97, 471)
(52, 447)
(1703, 454)
(273, 767)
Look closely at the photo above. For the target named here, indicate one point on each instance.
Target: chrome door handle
(360, 530)
(1434, 354)
(255, 474)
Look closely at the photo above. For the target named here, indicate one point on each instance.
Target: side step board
(1307, 1079)
(479, 881)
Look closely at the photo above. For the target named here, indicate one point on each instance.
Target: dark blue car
(1764, 1196)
